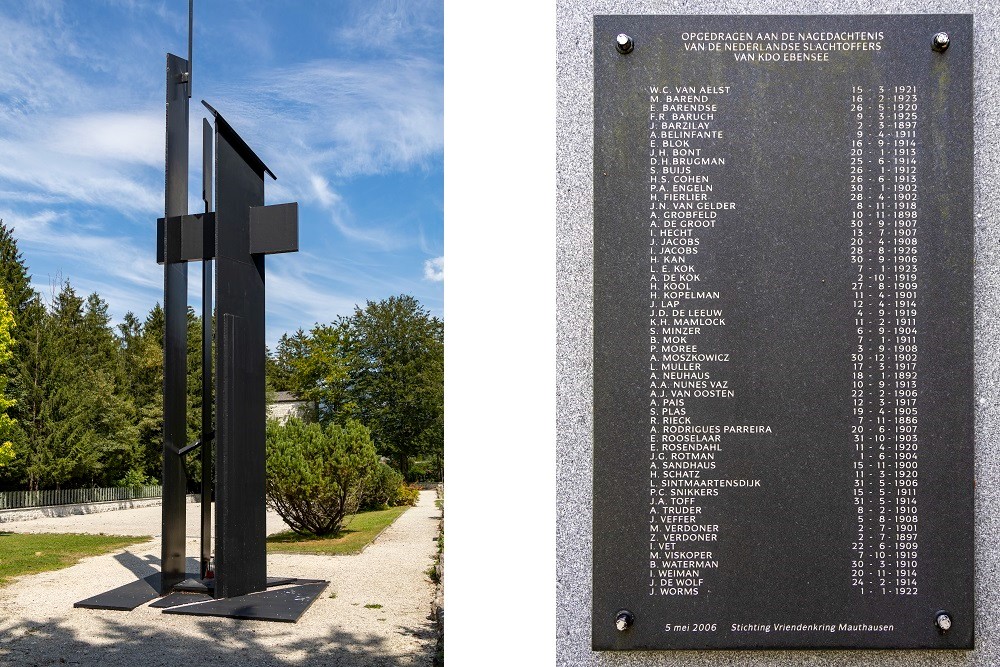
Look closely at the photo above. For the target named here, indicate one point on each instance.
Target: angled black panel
(240, 553)
(236, 142)
(274, 229)
(240, 413)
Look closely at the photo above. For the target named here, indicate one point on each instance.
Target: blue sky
(342, 100)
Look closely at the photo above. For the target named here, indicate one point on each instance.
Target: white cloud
(113, 160)
(324, 195)
(315, 123)
(135, 138)
(60, 143)
(341, 118)
(108, 256)
(391, 23)
(434, 269)
(126, 276)
(323, 121)
(296, 293)
(38, 225)
(305, 287)
(31, 79)
(382, 238)
(67, 178)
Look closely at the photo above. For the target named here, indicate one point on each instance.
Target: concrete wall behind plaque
(574, 311)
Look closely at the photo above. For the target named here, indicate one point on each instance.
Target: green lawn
(360, 529)
(22, 554)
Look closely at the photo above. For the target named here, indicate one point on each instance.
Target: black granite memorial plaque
(783, 332)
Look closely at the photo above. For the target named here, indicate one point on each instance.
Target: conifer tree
(7, 423)
(14, 278)
(83, 434)
(148, 391)
(192, 462)
(26, 308)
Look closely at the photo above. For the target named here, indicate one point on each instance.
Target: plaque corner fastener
(942, 620)
(624, 620)
(624, 43)
(941, 41)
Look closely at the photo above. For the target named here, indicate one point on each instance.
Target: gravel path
(39, 626)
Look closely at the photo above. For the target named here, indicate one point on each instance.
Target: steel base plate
(127, 597)
(285, 605)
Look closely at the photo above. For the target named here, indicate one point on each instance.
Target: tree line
(81, 400)
(382, 366)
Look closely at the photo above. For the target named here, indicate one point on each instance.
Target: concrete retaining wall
(29, 513)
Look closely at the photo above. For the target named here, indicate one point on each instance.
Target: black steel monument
(236, 237)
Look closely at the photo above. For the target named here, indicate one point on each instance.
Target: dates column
(884, 352)
(860, 364)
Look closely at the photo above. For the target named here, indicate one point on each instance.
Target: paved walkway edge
(31, 513)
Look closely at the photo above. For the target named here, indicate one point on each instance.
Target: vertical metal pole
(207, 138)
(175, 286)
(190, 77)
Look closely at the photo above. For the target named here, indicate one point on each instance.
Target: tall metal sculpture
(175, 286)
(237, 236)
(246, 230)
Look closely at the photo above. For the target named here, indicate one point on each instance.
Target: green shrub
(316, 475)
(424, 470)
(408, 494)
(382, 488)
(134, 479)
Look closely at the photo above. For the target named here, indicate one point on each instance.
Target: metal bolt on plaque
(623, 620)
(943, 621)
(624, 43)
(941, 41)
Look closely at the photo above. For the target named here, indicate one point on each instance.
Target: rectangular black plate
(125, 598)
(736, 206)
(284, 605)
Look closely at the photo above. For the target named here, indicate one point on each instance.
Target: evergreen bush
(316, 475)
(382, 488)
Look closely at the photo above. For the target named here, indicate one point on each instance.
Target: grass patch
(22, 554)
(360, 530)
(373, 606)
